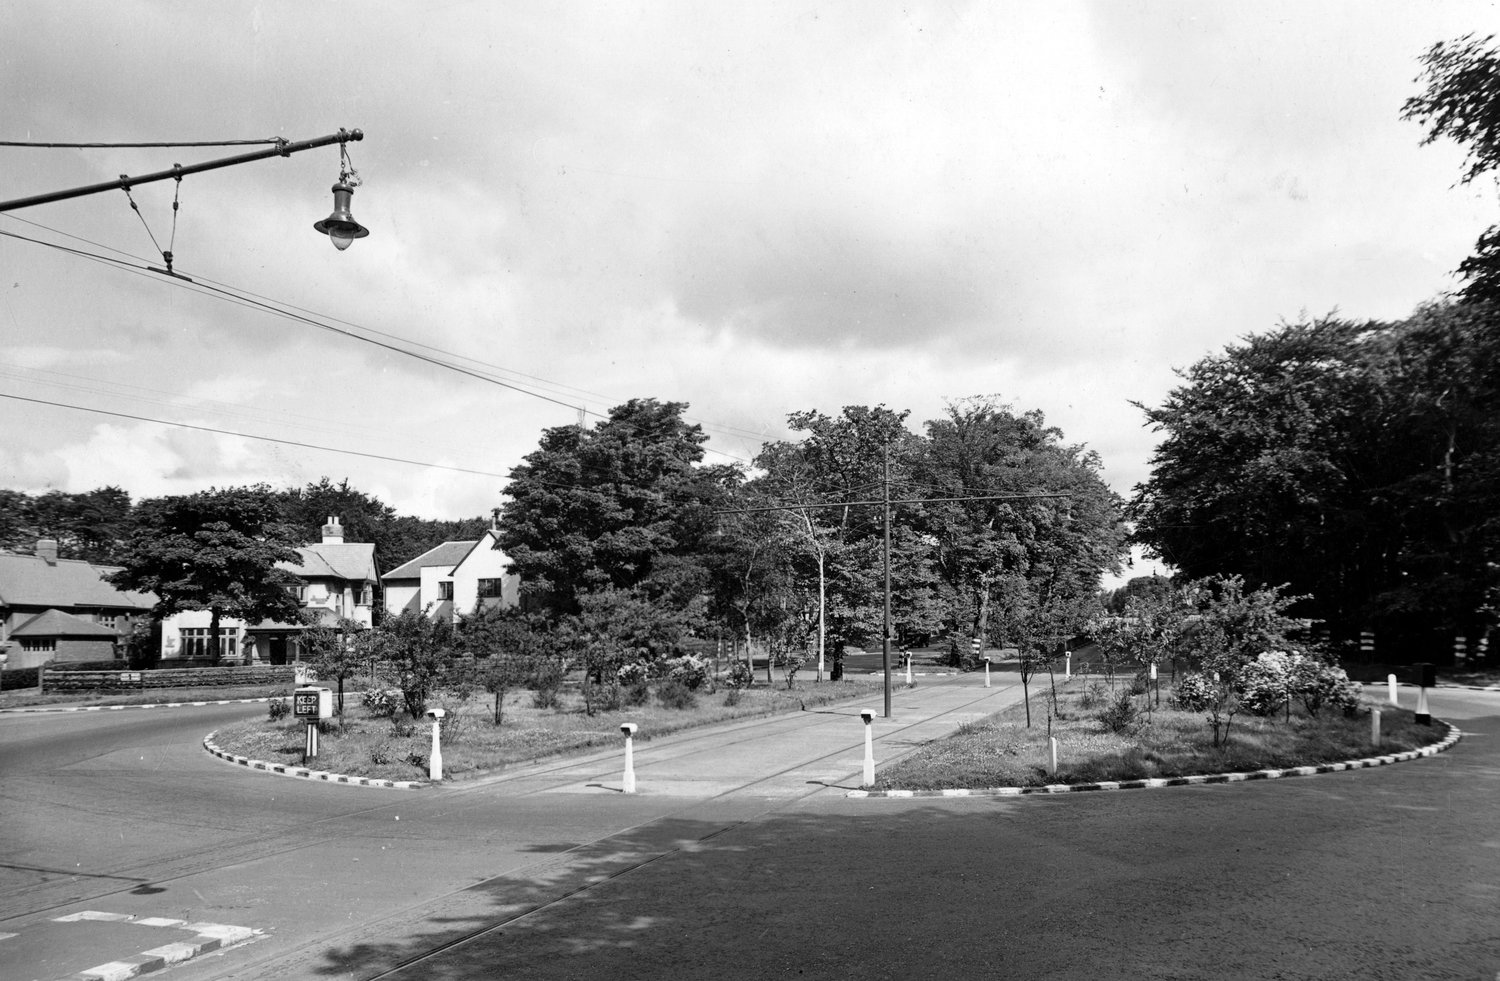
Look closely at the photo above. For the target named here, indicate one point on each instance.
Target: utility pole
(885, 639)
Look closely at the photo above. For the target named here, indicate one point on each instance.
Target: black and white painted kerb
(206, 937)
(1152, 783)
(281, 769)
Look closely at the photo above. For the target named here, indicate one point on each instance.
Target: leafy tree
(505, 649)
(1461, 101)
(91, 525)
(215, 550)
(338, 651)
(623, 506)
(416, 652)
(1360, 463)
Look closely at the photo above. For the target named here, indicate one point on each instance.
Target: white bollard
(1424, 717)
(1390, 681)
(986, 672)
(435, 761)
(908, 670)
(1068, 666)
(1374, 727)
(1052, 764)
(628, 728)
(869, 716)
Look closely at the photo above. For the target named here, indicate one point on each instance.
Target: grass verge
(29, 697)
(1002, 752)
(397, 748)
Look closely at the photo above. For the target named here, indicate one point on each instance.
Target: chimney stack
(46, 550)
(333, 532)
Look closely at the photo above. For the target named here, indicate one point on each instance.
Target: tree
(1360, 463)
(215, 550)
(623, 506)
(1461, 101)
(505, 649)
(338, 652)
(416, 651)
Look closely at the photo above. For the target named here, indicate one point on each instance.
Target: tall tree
(1461, 101)
(625, 505)
(215, 550)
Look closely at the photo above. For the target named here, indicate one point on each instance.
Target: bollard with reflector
(435, 761)
(986, 672)
(1426, 678)
(869, 777)
(1374, 727)
(628, 728)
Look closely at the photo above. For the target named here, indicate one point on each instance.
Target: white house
(452, 580)
(339, 580)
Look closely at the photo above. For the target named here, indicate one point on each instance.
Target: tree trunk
(213, 635)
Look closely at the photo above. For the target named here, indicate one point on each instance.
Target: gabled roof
(26, 580)
(336, 560)
(56, 623)
(447, 555)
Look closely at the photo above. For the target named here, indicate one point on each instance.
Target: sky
(755, 209)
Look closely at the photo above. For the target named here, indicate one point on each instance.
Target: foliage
(1194, 692)
(379, 703)
(337, 652)
(1121, 714)
(1357, 463)
(688, 670)
(1460, 102)
(416, 652)
(92, 525)
(740, 676)
(215, 550)
(276, 709)
(623, 507)
(674, 694)
(506, 651)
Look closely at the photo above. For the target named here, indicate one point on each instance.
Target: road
(124, 812)
(741, 858)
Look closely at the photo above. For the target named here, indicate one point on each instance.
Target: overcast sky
(753, 208)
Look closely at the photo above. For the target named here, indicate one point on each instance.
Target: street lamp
(339, 226)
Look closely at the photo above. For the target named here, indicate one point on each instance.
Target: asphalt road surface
(742, 858)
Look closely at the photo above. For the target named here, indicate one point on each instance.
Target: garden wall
(117, 680)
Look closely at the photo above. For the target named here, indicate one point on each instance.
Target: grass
(397, 748)
(1002, 752)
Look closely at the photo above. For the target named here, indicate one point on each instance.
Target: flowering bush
(1316, 684)
(688, 670)
(740, 676)
(1195, 692)
(632, 674)
(1265, 684)
(379, 703)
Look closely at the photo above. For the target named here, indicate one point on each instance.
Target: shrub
(1317, 684)
(637, 694)
(732, 697)
(689, 670)
(1265, 683)
(381, 754)
(1121, 714)
(1140, 684)
(277, 708)
(1195, 693)
(634, 673)
(609, 698)
(379, 703)
(403, 728)
(1095, 695)
(546, 683)
(740, 676)
(673, 694)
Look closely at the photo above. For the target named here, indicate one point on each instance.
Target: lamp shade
(340, 227)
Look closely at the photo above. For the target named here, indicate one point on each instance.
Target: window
(366, 595)
(44, 645)
(299, 592)
(491, 588)
(445, 590)
(195, 642)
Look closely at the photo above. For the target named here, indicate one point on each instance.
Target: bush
(632, 674)
(1316, 684)
(1095, 695)
(732, 697)
(740, 676)
(1121, 714)
(1265, 683)
(689, 670)
(379, 703)
(277, 707)
(381, 754)
(546, 684)
(637, 694)
(1195, 693)
(1140, 684)
(673, 694)
(608, 698)
(403, 728)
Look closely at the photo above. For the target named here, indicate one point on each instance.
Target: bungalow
(453, 579)
(62, 610)
(338, 581)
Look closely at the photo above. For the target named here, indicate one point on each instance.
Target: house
(338, 581)
(452, 580)
(56, 610)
